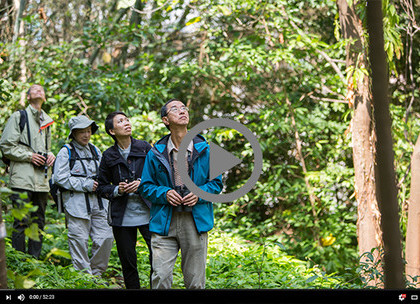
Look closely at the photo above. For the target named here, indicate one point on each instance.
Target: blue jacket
(157, 180)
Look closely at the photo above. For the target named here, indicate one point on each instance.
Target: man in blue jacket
(179, 219)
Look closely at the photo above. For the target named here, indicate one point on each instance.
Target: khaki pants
(182, 235)
(79, 231)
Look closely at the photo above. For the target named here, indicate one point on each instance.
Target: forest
(296, 73)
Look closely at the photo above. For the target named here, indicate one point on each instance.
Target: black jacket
(113, 169)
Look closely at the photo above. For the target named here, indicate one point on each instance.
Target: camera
(182, 191)
(127, 180)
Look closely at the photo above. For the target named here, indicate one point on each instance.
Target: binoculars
(44, 165)
(182, 191)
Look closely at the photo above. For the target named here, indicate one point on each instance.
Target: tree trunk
(3, 270)
(412, 246)
(369, 233)
(134, 22)
(9, 28)
(19, 6)
(386, 188)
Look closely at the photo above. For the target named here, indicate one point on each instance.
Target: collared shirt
(171, 147)
(173, 154)
(37, 114)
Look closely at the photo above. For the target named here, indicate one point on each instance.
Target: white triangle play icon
(221, 160)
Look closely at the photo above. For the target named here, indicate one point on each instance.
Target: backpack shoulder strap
(72, 156)
(94, 151)
(24, 121)
(68, 149)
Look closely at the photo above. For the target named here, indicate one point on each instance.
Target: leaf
(19, 282)
(106, 57)
(10, 274)
(328, 241)
(225, 10)
(60, 252)
(193, 20)
(23, 195)
(337, 29)
(311, 279)
(370, 256)
(19, 213)
(125, 3)
(28, 283)
(35, 272)
(281, 246)
(32, 232)
(6, 190)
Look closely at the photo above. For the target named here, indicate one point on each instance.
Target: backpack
(56, 191)
(22, 122)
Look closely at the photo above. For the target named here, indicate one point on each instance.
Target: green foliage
(232, 263)
(370, 274)
(26, 272)
(54, 269)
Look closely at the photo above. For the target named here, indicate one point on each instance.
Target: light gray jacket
(23, 174)
(74, 199)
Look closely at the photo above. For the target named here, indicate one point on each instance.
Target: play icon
(221, 160)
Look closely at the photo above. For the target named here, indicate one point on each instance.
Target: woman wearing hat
(75, 172)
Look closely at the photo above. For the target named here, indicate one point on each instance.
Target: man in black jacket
(119, 177)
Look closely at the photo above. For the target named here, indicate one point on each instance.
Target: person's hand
(190, 199)
(95, 186)
(173, 198)
(50, 159)
(38, 159)
(132, 187)
(121, 187)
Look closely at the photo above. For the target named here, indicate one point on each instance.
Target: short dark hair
(109, 122)
(164, 110)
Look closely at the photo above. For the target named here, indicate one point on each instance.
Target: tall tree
(384, 169)
(19, 6)
(412, 249)
(363, 133)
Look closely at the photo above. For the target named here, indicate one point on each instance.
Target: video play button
(221, 160)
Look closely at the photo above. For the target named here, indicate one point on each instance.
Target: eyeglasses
(176, 109)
